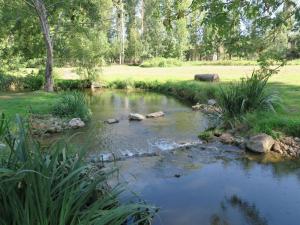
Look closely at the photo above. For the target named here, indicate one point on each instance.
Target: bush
(161, 62)
(68, 85)
(6, 82)
(120, 84)
(72, 104)
(248, 95)
(187, 90)
(33, 82)
(54, 186)
(206, 135)
(233, 62)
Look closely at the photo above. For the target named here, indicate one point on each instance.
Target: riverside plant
(248, 95)
(72, 104)
(53, 186)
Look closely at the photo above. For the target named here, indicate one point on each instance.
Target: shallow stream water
(202, 185)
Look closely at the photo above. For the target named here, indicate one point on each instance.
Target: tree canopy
(88, 33)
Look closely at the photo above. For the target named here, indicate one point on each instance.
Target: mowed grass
(286, 83)
(25, 102)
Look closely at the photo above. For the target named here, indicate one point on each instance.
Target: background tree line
(89, 33)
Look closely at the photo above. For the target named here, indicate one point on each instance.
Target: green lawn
(286, 83)
(22, 103)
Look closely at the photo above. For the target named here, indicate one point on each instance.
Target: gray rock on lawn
(212, 102)
(76, 123)
(111, 121)
(136, 117)
(260, 143)
(207, 77)
(155, 114)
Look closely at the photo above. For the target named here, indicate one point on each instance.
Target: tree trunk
(42, 14)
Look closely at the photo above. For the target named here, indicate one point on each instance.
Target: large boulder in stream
(76, 123)
(261, 143)
(207, 77)
(111, 121)
(155, 114)
(136, 117)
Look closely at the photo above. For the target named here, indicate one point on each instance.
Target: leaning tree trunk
(42, 13)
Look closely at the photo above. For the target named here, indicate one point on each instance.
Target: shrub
(54, 186)
(187, 90)
(232, 62)
(72, 104)
(206, 135)
(161, 62)
(6, 82)
(249, 94)
(68, 85)
(33, 81)
(120, 84)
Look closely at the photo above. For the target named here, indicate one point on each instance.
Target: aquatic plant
(72, 104)
(247, 95)
(53, 186)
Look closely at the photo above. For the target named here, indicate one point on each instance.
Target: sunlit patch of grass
(23, 103)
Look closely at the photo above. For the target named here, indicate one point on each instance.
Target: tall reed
(52, 186)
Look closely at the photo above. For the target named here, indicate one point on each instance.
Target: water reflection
(180, 124)
(217, 185)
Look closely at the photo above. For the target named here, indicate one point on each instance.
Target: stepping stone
(112, 121)
(136, 117)
(155, 114)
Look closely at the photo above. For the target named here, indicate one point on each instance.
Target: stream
(201, 184)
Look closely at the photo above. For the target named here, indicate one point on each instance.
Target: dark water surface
(215, 184)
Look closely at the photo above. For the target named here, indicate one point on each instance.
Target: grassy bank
(25, 102)
(179, 82)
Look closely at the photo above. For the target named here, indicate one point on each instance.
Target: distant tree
(59, 21)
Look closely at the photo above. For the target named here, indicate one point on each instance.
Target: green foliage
(72, 104)
(72, 84)
(268, 122)
(30, 82)
(187, 90)
(55, 186)
(206, 135)
(33, 82)
(120, 84)
(247, 95)
(6, 82)
(161, 62)
(234, 62)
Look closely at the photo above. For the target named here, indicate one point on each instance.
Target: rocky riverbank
(286, 146)
(48, 124)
